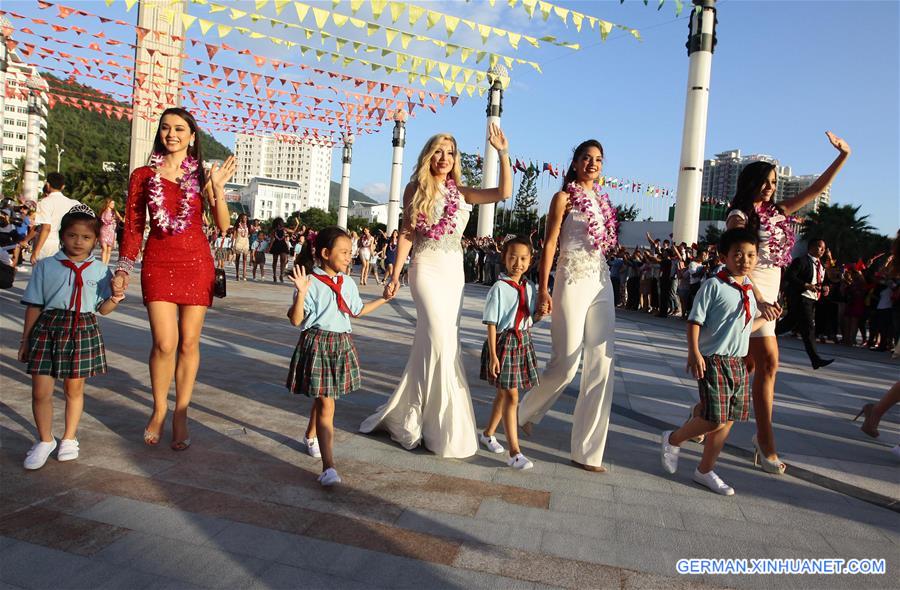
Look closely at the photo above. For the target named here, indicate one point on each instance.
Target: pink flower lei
(781, 233)
(604, 236)
(190, 188)
(447, 222)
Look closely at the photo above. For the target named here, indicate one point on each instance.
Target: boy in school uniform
(719, 326)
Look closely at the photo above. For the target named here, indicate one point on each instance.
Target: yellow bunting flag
(355, 5)
(279, 6)
(415, 13)
(390, 35)
(529, 5)
(562, 13)
(205, 25)
(576, 20)
(545, 9)
(340, 19)
(187, 20)
(432, 18)
(443, 68)
(397, 9)
(302, 11)
(214, 8)
(405, 38)
(236, 14)
(514, 39)
(321, 17)
(261, 3)
(485, 32)
(464, 53)
(129, 4)
(377, 8)
(224, 30)
(450, 22)
(371, 29)
(605, 28)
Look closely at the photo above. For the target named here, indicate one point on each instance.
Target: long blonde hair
(427, 187)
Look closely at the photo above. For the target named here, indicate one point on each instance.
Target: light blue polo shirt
(51, 284)
(719, 309)
(320, 308)
(502, 302)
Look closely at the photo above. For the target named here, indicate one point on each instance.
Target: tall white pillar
(32, 143)
(399, 142)
(157, 69)
(490, 169)
(700, 45)
(344, 202)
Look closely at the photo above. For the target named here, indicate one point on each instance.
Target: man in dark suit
(803, 285)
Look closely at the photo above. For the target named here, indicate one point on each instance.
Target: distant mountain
(90, 138)
(334, 196)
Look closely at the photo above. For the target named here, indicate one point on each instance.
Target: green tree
(525, 209)
(627, 212)
(316, 218)
(847, 234)
(712, 235)
(13, 179)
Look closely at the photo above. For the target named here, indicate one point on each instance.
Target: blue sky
(783, 73)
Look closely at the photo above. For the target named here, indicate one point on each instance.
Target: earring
(191, 144)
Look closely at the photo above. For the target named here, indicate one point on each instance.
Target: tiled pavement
(242, 508)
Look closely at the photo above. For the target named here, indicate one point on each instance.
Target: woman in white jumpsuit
(583, 316)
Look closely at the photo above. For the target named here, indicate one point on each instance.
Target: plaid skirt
(55, 349)
(518, 362)
(324, 364)
(724, 390)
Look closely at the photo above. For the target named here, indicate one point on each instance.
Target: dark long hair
(576, 155)
(194, 151)
(749, 184)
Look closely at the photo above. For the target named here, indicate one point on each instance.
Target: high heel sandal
(181, 445)
(867, 412)
(760, 459)
(151, 439)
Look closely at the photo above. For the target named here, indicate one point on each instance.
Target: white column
(32, 143)
(164, 78)
(399, 142)
(344, 201)
(701, 43)
(490, 169)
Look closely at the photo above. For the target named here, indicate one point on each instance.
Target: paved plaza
(242, 508)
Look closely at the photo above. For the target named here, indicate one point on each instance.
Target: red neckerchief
(744, 289)
(522, 310)
(336, 289)
(77, 284)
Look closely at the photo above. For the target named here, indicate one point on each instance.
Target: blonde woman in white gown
(432, 405)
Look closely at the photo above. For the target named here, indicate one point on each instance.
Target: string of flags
(611, 182)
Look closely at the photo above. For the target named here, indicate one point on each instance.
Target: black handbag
(219, 286)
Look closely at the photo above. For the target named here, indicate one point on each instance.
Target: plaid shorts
(55, 349)
(724, 390)
(518, 362)
(324, 364)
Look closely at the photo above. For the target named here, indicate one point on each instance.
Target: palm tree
(845, 233)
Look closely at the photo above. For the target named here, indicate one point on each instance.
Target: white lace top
(578, 259)
(449, 242)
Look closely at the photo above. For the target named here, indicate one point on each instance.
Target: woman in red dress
(177, 274)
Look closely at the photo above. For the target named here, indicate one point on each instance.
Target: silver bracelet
(503, 153)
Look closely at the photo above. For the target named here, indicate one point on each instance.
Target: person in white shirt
(50, 211)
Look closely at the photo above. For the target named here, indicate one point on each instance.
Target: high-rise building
(297, 161)
(19, 76)
(720, 176)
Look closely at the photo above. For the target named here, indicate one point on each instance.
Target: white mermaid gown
(432, 405)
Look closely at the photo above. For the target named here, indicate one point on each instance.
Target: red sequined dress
(176, 267)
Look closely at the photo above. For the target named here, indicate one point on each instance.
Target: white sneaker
(713, 482)
(520, 461)
(68, 449)
(38, 454)
(490, 443)
(312, 447)
(329, 477)
(668, 454)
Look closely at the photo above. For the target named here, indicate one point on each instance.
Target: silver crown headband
(82, 208)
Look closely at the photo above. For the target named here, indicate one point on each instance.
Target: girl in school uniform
(325, 364)
(61, 338)
(508, 361)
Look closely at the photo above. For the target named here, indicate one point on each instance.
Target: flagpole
(491, 157)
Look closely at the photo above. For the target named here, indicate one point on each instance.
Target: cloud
(376, 190)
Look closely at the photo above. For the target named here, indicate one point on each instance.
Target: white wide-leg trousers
(583, 318)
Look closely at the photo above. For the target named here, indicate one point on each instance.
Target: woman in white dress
(365, 254)
(585, 225)
(754, 207)
(431, 405)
